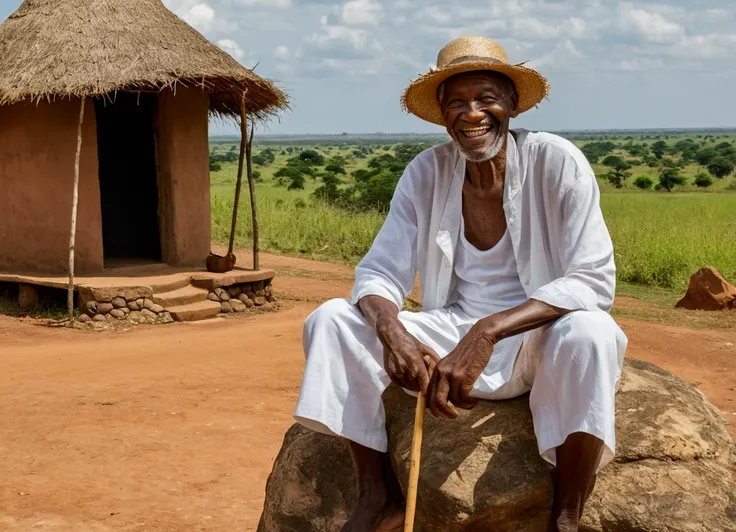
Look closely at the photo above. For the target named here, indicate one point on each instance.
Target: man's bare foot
(375, 514)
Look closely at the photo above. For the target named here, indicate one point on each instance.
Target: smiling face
(477, 107)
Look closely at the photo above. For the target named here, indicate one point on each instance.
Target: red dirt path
(175, 428)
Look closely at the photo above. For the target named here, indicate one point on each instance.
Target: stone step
(168, 283)
(201, 310)
(181, 296)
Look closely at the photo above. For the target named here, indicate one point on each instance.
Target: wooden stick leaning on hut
(239, 181)
(251, 186)
(216, 263)
(75, 201)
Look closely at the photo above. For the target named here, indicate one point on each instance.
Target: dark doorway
(126, 150)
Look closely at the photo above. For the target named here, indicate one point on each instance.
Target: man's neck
(487, 176)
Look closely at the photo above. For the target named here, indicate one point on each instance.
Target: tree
(312, 157)
(619, 173)
(658, 148)
(669, 177)
(265, 157)
(613, 161)
(720, 166)
(328, 191)
(335, 169)
(706, 155)
(643, 182)
(593, 151)
(406, 152)
(297, 182)
(702, 180)
(215, 165)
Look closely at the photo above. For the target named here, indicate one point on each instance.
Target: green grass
(314, 230)
(662, 239)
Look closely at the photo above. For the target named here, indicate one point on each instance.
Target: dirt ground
(175, 428)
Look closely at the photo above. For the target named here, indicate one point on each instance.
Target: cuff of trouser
(550, 435)
(377, 442)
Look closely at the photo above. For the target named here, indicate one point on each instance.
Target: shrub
(215, 165)
(643, 182)
(702, 180)
(297, 182)
(335, 169)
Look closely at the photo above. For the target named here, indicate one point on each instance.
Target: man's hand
(408, 362)
(453, 378)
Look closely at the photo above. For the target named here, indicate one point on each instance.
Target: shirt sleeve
(586, 253)
(389, 268)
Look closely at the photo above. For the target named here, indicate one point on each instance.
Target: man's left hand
(453, 378)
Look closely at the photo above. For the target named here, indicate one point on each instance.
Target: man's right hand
(408, 362)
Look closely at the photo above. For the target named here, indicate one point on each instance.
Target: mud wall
(37, 150)
(184, 180)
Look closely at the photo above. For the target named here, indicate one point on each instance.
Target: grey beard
(490, 154)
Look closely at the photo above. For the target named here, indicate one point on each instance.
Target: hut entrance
(126, 150)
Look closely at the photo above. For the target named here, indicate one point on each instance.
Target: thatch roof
(70, 48)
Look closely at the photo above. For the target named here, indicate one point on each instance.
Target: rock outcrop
(675, 468)
(708, 290)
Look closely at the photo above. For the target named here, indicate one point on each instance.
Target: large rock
(675, 467)
(708, 290)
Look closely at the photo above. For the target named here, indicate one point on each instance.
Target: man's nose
(474, 112)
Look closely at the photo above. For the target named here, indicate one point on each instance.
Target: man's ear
(514, 105)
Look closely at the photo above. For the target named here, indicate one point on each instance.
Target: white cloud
(201, 16)
(232, 48)
(705, 46)
(576, 28)
(275, 4)
(362, 12)
(533, 28)
(357, 39)
(653, 27)
(564, 56)
(436, 14)
(281, 52)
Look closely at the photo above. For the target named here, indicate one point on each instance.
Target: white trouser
(572, 368)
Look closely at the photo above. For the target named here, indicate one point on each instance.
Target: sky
(611, 64)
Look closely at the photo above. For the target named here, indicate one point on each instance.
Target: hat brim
(420, 98)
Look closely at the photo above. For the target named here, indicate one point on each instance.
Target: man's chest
(484, 219)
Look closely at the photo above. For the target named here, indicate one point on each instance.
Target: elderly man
(517, 277)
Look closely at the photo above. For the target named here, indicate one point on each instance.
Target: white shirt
(563, 251)
(487, 281)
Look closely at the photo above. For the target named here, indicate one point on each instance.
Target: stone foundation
(243, 296)
(133, 304)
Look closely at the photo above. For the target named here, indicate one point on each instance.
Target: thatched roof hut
(147, 83)
(71, 48)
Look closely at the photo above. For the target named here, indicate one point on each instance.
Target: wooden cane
(416, 452)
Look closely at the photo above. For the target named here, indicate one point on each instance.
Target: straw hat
(464, 55)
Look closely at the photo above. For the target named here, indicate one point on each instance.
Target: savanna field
(327, 200)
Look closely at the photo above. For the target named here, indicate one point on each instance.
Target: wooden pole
(75, 201)
(239, 180)
(252, 187)
(416, 454)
